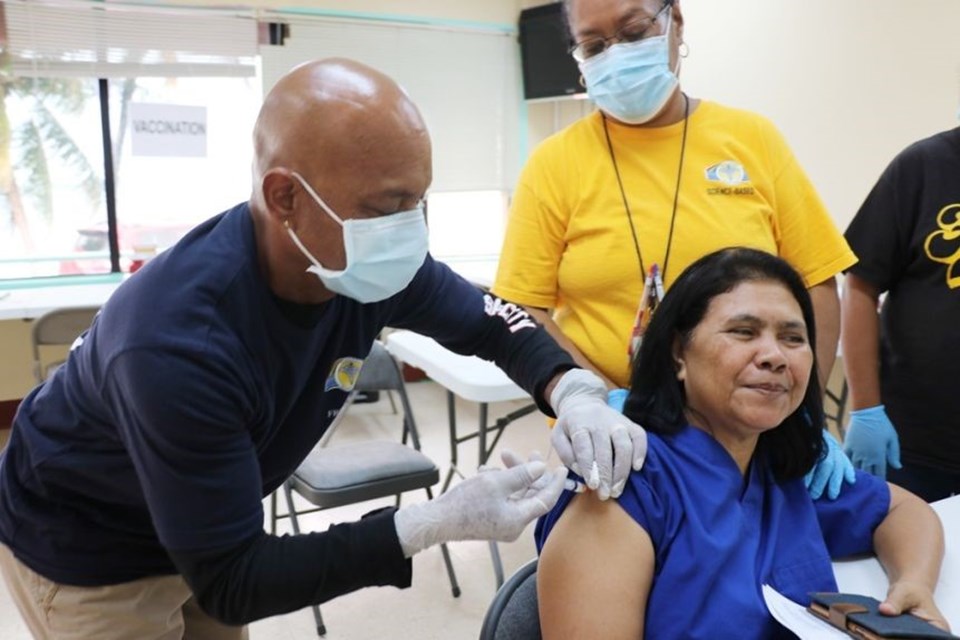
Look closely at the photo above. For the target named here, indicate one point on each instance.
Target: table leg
(497, 563)
(452, 422)
(484, 455)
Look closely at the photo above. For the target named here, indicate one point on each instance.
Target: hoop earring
(583, 82)
(683, 50)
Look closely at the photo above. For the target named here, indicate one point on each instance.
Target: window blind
(53, 38)
(466, 83)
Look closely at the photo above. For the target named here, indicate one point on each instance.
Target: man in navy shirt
(131, 489)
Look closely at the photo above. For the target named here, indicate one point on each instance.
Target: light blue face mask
(383, 253)
(632, 81)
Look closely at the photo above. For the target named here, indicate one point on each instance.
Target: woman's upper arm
(595, 573)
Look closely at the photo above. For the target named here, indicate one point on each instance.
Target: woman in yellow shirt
(651, 182)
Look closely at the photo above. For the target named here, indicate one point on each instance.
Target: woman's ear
(676, 352)
(677, 19)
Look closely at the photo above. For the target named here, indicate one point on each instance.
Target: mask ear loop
(300, 245)
(682, 49)
(316, 197)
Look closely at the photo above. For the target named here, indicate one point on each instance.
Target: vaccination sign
(170, 130)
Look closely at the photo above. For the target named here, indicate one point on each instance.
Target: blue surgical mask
(383, 253)
(632, 81)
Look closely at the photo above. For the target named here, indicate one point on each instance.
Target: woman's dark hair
(657, 400)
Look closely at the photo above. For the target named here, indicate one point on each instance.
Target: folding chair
(59, 327)
(334, 476)
(513, 614)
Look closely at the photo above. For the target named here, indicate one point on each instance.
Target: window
(466, 225)
(469, 99)
(65, 59)
(470, 102)
(159, 198)
(52, 182)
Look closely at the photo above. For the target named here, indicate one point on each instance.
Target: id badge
(649, 298)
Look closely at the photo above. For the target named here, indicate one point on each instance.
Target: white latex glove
(599, 443)
(495, 504)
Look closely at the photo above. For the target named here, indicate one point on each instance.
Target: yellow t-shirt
(569, 246)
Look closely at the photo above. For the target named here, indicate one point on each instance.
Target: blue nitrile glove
(871, 441)
(616, 398)
(830, 472)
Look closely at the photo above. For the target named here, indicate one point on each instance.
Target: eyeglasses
(631, 32)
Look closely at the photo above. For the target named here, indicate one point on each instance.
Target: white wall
(849, 83)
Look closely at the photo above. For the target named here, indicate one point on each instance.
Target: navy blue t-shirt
(196, 392)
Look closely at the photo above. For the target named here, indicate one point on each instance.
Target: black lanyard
(676, 193)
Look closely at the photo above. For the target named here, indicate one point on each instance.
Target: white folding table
(472, 379)
(865, 576)
(30, 303)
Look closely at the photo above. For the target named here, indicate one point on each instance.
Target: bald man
(131, 489)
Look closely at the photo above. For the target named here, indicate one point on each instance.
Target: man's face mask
(632, 81)
(383, 253)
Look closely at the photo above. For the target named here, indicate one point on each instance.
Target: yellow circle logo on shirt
(344, 374)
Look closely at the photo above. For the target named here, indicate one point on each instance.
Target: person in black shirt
(903, 365)
(131, 488)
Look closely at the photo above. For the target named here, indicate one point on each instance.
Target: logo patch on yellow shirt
(344, 374)
(732, 175)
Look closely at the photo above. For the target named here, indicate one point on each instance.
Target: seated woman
(724, 386)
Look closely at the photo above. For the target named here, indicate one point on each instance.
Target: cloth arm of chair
(269, 575)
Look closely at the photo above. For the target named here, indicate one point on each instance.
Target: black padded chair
(334, 476)
(513, 614)
(59, 327)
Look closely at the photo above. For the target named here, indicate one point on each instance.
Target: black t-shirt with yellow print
(907, 238)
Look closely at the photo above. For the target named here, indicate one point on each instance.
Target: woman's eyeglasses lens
(631, 32)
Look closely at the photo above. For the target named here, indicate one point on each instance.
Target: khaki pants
(160, 608)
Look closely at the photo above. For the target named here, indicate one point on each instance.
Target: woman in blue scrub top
(724, 385)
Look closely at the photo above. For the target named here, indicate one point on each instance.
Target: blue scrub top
(718, 537)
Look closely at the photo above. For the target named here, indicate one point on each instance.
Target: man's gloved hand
(830, 471)
(495, 504)
(597, 442)
(871, 441)
(616, 399)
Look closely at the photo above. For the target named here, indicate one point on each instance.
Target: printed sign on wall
(170, 130)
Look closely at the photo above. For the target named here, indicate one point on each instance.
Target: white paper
(796, 617)
(170, 130)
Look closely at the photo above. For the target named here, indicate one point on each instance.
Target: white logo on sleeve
(513, 314)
